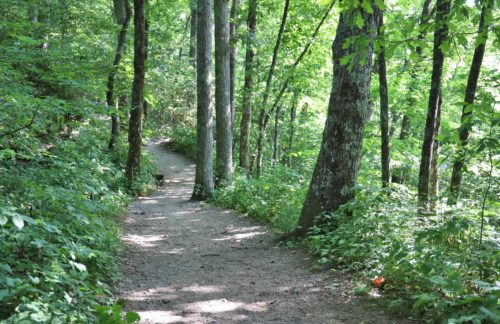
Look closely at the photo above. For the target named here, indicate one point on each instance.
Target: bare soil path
(185, 263)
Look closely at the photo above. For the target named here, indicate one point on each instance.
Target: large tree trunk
(337, 167)
(233, 54)
(192, 36)
(424, 19)
(384, 108)
(248, 86)
(135, 122)
(224, 142)
(470, 93)
(204, 183)
(440, 36)
(120, 48)
(263, 109)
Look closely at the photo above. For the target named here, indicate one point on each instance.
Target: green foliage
(114, 315)
(434, 261)
(59, 237)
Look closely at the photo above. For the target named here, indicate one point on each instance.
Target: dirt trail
(185, 263)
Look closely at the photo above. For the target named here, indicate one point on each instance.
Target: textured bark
(120, 48)
(145, 104)
(440, 36)
(434, 172)
(248, 86)
(224, 141)
(337, 167)
(424, 19)
(384, 108)
(470, 94)
(267, 90)
(265, 115)
(192, 36)
(233, 54)
(204, 183)
(120, 11)
(135, 122)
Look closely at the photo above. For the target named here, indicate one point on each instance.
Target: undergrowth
(58, 228)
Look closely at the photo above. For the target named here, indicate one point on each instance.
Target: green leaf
(367, 6)
(18, 221)
(360, 22)
(132, 317)
(3, 220)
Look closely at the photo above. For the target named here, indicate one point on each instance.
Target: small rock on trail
(184, 263)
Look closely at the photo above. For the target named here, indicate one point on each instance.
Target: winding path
(185, 263)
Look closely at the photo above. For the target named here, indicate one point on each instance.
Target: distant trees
(135, 121)
(440, 36)
(204, 183)
(123, 13)
(336, 170)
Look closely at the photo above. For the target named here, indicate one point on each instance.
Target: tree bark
(267, 90)
(336, 171)
(233, 41)
(120, 49)
(424, 19)
(276, 135)
(434, 172)
(135, 122)
(192, 36)
(224, 142)
(204, 183)
(470, 93)
(384, 108)
(440, 36)
(293, 115)
(248, 86)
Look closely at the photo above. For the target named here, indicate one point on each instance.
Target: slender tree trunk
(424, 19)
(276, 135)
(440, 36)
(336, 171)
(265, 115)
(135, 122)
(145, 106)
(248, 86)
(192, 36)
(224, 142)
(293, 115)
(470, 93)
(434, 172)
(233, 54)
(267, 90)
(120, 49)
(186, 26)
(204, 183)
(384, 108)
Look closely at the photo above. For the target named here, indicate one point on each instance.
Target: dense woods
(364, 130)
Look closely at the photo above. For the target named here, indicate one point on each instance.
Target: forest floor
(188, 263)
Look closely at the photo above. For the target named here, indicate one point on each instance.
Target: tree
(233, 53)
(470, 93)
(204, 183)
(440, 36)
(265, 96)
(384, 107)
(336, 170)
(224, 141)
(248, 86)
(135, 122)
(192, 35)
(123, 13)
